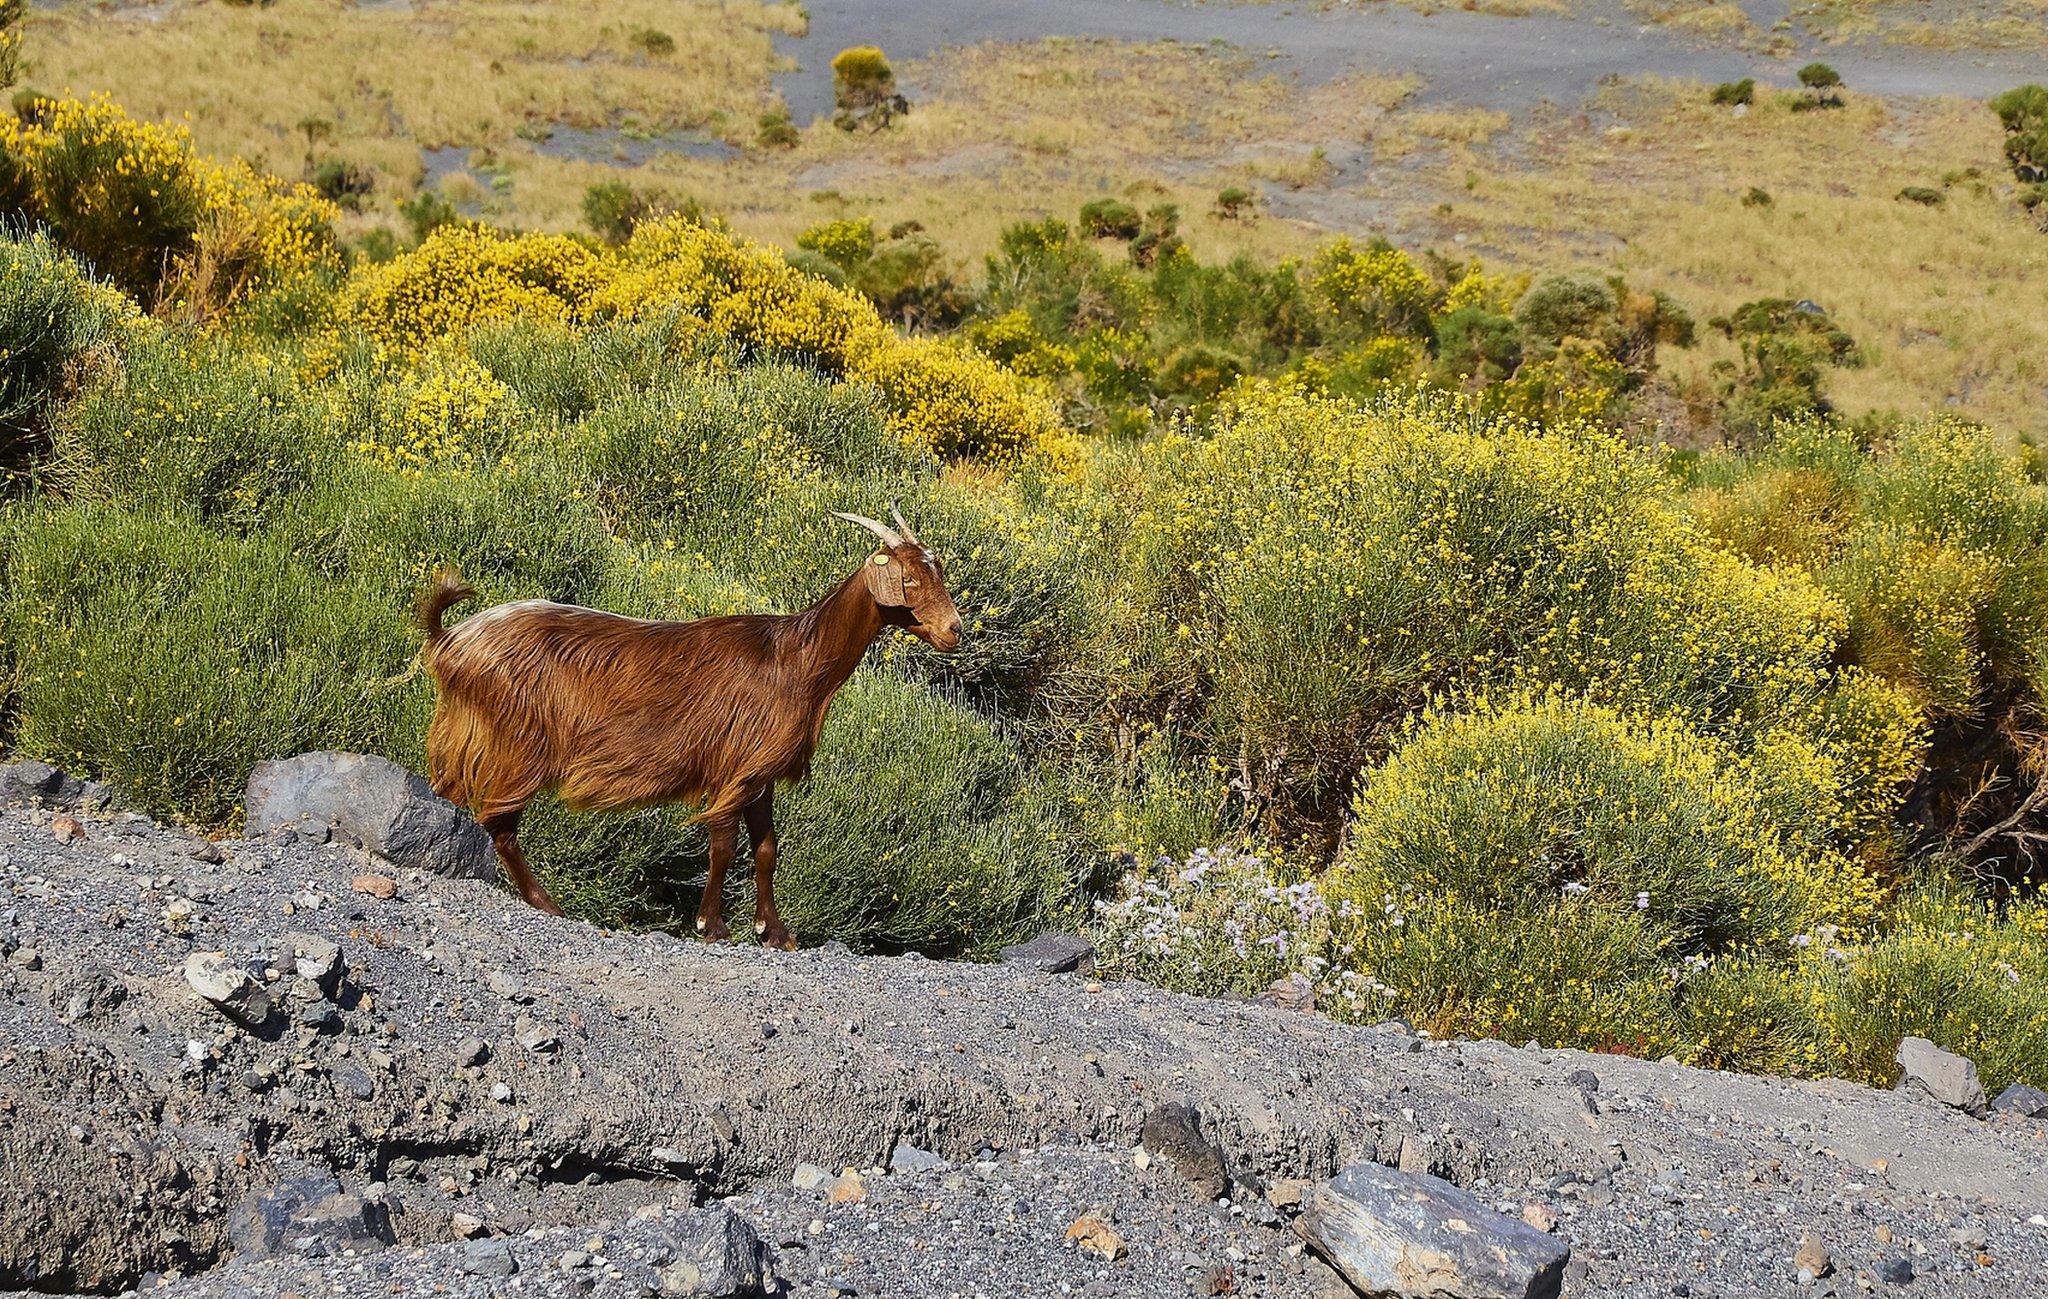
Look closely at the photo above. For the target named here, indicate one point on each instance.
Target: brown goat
(615, 712)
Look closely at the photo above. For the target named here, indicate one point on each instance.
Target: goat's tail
(447, 589)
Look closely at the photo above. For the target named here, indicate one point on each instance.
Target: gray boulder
(907, 1158)
(1053, 953)
(2025, 1101)
(1944, 1075)
(490, 1256)
(713, 1252)
(374, 802)
(310, 1216)
(1393, 1233)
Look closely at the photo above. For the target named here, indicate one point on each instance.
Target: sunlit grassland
(1979, 24)
(394, 80)
(1949, 302)
(1003, 132)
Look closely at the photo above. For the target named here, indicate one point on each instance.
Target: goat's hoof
(776, 935)
(713, 931)
(542, 902)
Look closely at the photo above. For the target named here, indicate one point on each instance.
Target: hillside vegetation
(1325, 620)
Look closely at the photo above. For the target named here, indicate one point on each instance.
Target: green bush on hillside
(168, 659)
(53, 316)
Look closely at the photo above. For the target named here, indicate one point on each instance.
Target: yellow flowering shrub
(463, 276)
(137, 203)
(445, 412)
(1012, 340)
(1316, 569)
(1498, 837)
(1377, 289)
(942, 397)
(1944, 967)
(845, 242)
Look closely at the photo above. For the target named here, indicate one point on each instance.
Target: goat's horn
(882, 530)
(909, 533)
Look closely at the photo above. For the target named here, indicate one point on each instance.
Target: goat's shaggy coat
(615, 712)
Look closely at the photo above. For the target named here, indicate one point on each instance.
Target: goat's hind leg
(504, 831)
(711, 910)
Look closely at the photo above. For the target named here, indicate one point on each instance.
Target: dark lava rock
(1175, 1131)
(1053, 953)
(31, 783)
(2030, 1102)
(308, 1215)
(716, 1254)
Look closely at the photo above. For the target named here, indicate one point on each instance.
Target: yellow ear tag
(881, 560)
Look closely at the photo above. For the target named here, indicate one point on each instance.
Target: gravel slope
(560, 1084)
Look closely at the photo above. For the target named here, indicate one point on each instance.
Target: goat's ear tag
(880, 560)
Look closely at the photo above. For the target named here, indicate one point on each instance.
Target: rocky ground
(413, 1085)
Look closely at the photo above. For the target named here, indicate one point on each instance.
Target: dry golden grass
(1950, 302)
(394, 80)
(1724, 21)
(1966, 24)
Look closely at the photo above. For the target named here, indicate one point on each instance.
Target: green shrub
(1734, 92)
(1109, 218)
(1819, 76)
(613, 208)
(168, 659)
(2023, 112)
(918, 829)
(774, 130)
(1234, 203)
(908, 281)
(1786, 346)
(343, 183)
(1824, 85)
(53, 315)
(1922, 195)
(1159, 239)
(196, 427)
(523, 535)
(12, 12)
(651, 41)
(427, 211)
(1756, 197)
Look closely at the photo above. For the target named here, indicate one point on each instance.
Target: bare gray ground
(626, 1072)
(1472, 58)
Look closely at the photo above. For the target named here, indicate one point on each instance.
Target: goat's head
(908, 583)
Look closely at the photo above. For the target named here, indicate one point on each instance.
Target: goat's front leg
(504, 831)
(711, 911)
(761, 829)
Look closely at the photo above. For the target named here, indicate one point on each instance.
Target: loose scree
(612, 712)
